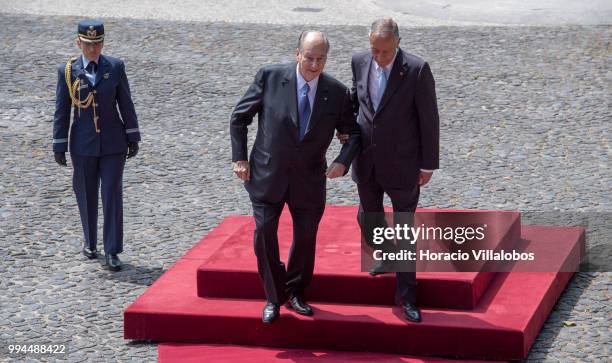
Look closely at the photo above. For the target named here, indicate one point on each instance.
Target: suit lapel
(395, 79)
(320, 101)
(290, 93)
(103, 69)
(365, 75)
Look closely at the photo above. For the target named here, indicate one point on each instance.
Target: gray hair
(384, 27)
(300, 44)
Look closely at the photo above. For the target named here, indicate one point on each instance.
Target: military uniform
(104, 127)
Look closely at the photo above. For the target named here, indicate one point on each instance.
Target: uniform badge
(106, 75)
(91, 32)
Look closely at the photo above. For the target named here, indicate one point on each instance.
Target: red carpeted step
(232, 270)
(503, 325)
(221, 353)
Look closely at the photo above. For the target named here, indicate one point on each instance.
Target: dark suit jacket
(402, 137)
(278, 160)
(112, 90)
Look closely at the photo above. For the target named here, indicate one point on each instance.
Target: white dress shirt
(91, 76)
(313, 86)
(373, 79)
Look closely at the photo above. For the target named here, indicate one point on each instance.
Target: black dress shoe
(382, 267)
(113, 262)
(411, 312)
(90, 253)
(296, 303)
(270, 313)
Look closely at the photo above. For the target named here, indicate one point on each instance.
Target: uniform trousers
(91, 173)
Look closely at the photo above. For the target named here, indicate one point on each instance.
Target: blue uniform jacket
(112, 96)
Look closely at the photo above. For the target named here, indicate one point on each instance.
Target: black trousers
(89, 173)
(279, 282)
(405, 199)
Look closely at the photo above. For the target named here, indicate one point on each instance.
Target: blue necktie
(304, 109)
(381, 84)
(91, 69)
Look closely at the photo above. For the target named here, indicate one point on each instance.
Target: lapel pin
(324, 98)
(106, 75)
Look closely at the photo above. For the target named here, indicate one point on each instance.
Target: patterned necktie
(381, 85)
(304, 109)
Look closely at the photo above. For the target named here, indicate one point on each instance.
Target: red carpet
(221, 353)
(503, 324)
(231, 272)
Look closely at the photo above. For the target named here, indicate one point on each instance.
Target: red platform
(221, 353)
(231, 271)
(503, 324)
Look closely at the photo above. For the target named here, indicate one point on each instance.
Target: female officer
(92, 85)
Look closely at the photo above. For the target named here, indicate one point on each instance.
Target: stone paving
(525, 124)
(346, 12)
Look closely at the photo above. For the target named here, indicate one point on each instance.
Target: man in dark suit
(298, 108)
(394, 95)
(92, 86)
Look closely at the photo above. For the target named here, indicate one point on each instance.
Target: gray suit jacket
(402, 137)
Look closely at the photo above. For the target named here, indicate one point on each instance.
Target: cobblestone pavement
(525, 125)
(352, 12)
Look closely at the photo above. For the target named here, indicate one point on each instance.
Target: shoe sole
(299, 312)
(271, 320)
(412, 320)
(91, 256)
(117, 268)
(378, 273)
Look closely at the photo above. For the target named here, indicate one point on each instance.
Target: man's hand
(60, 158)
(342, 137)
(424, 177)
(132, 149)
(335, 170)
(242, 169)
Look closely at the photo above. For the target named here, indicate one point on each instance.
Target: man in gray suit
(298, 108)
(394, 96)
